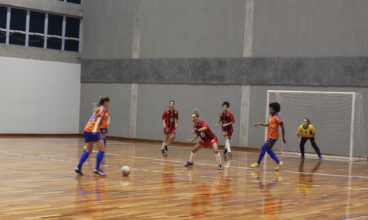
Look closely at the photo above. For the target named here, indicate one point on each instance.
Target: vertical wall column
(247, 52)
(134, 86)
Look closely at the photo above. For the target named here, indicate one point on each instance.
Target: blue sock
(273, 155)
(99, 158)
(104, 142)
(263, 152)
(83, 159)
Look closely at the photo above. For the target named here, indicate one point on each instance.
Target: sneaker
(220, 167)
(188, 164)
(279, 165)
(79, 171)
(301, 156)
(100, 172)
(162, 151)
(225, 151)
(84, 149)
(255, 165)
(319, 157)
(230, 154)
(166, 148)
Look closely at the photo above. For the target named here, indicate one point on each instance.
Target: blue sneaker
(302, 157)
(79, 171)
(100, 172)
(319, 157)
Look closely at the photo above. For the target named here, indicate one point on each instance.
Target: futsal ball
(125, 170)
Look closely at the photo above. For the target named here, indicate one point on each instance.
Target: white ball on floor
(125, 170)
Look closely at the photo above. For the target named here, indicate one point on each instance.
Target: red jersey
(206, 135)
(227, 118)
(170, 117)
(273, 127)
(92, 121)
(103, 123)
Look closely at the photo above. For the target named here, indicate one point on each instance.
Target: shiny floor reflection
(38, 182)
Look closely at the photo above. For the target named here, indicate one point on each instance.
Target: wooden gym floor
(38, 182)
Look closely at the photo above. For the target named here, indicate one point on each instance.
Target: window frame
(65, 1)
(44, 35)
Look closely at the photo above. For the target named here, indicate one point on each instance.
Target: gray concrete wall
(310, 28)
(318, 71)
(39, 54)
(53, 6)
(39, 96)
(119, 95)
(108, 29)
(153, 101)
(191, 28)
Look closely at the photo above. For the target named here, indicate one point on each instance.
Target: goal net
(336, 116)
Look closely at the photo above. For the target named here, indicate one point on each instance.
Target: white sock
(218, 158)
(163, 145)
(191, 157)
(227, 145)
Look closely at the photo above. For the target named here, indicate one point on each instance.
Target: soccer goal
(337, 117)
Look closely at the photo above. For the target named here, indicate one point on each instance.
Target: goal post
(337, 117)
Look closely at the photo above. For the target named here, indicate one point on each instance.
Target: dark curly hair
(226, 103)
(276, 106)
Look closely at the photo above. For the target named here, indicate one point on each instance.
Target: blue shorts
(271, 141)
(89, 136)
(103, 130)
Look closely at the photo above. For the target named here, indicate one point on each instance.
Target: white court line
(246, 168)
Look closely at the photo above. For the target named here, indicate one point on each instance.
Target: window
(37, 22)
(17, 39)
(18, 19)
(71, 1)
(3, 12)
(74, 1)
(55, 25)
(39, 29)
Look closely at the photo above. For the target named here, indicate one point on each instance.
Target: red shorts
(169, 131)
(227, 133)
(208, 143)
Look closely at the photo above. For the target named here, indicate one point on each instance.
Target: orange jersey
(273, 127)
(92, 121)
(103, 123)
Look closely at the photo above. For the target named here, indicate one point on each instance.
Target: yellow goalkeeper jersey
(306, 132)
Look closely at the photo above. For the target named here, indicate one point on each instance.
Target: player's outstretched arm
(298, 135)
(260, 124)
(283, 133)
(191, 140)
(218, 123)
(315, 138)
(177, 123)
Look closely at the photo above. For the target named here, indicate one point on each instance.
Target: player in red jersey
(274, 121)
(168, 120)
(227, 119)
(208, 138)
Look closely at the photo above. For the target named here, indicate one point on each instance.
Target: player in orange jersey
(168, 119)
(274, 121)
(92, 135)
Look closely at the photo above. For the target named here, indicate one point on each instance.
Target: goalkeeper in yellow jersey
(308, 133)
